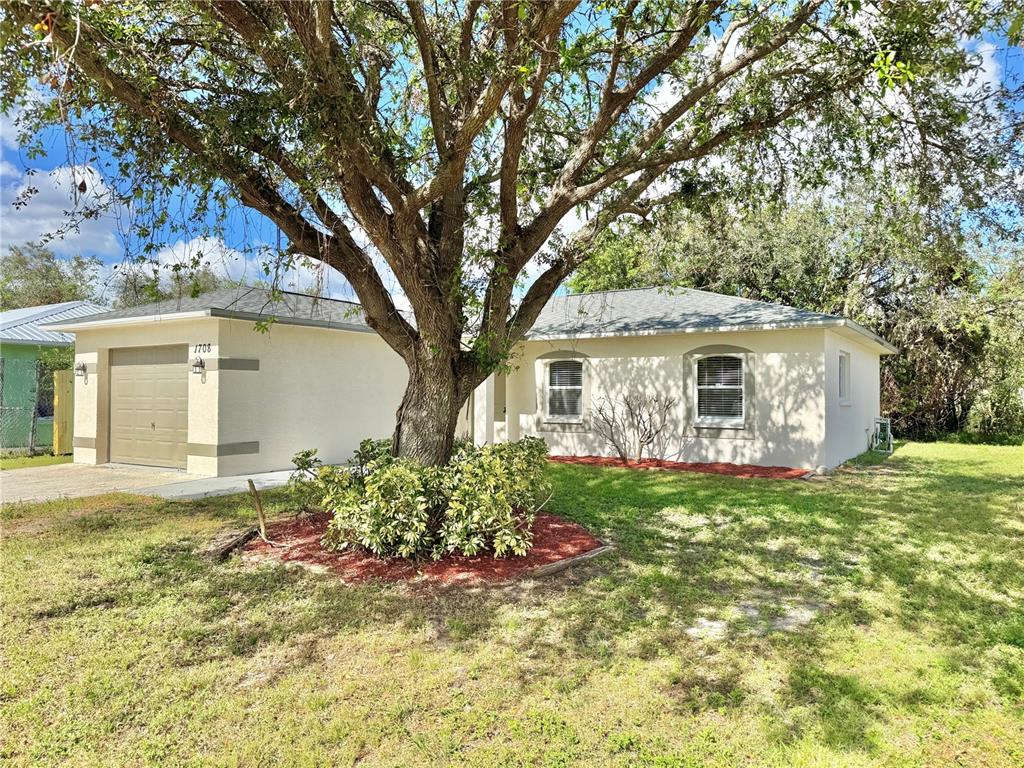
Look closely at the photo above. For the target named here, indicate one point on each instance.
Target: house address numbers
(199, 348)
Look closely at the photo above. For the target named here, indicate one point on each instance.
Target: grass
(871, 619)
(20, 461)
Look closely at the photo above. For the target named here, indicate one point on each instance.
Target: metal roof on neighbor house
(23, 326)
(243, 303)
(650, 311)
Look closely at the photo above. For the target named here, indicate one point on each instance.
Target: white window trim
(847, 381)
(557, 418)
(729, 422)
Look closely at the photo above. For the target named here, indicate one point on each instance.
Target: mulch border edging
(221, 551)
(715, 468)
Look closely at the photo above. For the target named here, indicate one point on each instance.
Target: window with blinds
(720, 389)
(565, 389)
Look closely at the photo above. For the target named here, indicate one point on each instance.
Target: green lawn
(13, 461)
(871, 619)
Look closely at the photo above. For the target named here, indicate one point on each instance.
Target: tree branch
(256, 191)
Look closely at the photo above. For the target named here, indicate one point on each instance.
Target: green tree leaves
(31, 275)
(949, 296)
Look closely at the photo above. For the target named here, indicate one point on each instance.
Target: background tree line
(33, 275)
(948, 293)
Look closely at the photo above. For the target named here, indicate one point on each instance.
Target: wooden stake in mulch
(259, 513)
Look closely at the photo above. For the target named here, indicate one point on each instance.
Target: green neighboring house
(26, 392)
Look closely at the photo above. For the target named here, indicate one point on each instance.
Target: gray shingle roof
(22, 326)
(248, 303)
(645, 311)
(608, 313)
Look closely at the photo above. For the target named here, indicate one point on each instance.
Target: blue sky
(56, 176)
(56, 179)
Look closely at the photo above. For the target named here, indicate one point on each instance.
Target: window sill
(556, 426)
(563, 419)
(719, 425)
(845, 403)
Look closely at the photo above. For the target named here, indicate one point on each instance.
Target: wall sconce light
(79, 369)
(199, 365)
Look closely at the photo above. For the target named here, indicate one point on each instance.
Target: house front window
(720, 391)
(844, 378)
(565, 390)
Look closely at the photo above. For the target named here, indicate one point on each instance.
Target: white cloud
(9, 130)
(733, 48)
(9, 121)
(304, 275)
(991, 73)
(663, 96)
(50, 208)
(8, 170)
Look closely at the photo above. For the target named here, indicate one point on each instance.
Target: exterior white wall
(786, 425)
(92, 394)
(848, 425)
(315, 388)
(483, 409)
(328, 389)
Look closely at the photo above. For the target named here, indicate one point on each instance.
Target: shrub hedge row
(483, 501)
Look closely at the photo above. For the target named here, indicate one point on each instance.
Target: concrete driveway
(75, 480)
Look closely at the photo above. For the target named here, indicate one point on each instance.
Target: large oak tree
(442, 143)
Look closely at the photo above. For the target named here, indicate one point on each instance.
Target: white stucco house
(194, 383)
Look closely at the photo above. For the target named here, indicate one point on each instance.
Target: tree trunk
(427, 417)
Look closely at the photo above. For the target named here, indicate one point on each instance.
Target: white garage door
(149, 405)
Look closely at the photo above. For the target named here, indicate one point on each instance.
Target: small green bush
(370, 452)
(307, 496)
(484, 500)
(493, 499)
(315, 486)
(391, 517)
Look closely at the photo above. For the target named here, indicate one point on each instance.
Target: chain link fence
(26, 405)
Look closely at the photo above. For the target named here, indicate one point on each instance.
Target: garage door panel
(149, 405)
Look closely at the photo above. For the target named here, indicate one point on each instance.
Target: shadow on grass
(941, 538)
(706, 570)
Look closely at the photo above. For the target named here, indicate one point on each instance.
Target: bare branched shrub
(611, 427)
(633, 421)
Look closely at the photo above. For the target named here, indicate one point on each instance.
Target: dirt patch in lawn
(712, 468)
(69, 510)
(554, 541)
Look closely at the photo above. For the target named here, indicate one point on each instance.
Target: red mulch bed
(713, 468)
(554, 539)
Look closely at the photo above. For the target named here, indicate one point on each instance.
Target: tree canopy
(32, 275)
(443, 144)
(136, 284)
(948, 295)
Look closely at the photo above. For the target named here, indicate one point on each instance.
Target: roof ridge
(239, 300)
(626, 290)
(242, 289)
(319, 297)
(669, 289)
